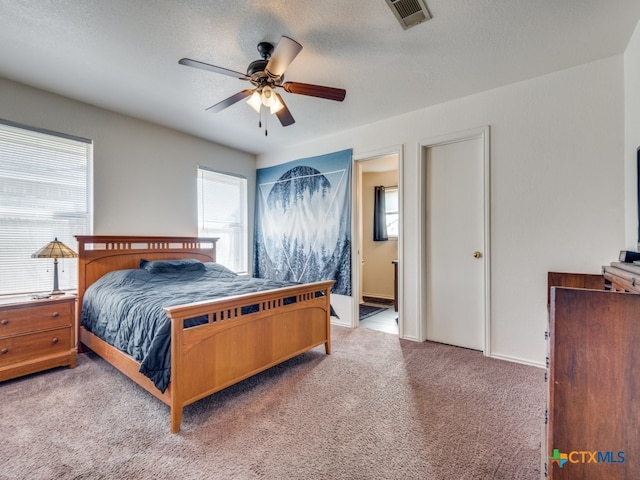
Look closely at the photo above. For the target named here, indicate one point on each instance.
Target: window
(222, 213)
(391, 211)
(44, 194)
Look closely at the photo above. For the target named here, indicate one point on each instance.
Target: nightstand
(36, 335)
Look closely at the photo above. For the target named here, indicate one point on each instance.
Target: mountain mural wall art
(303, 221)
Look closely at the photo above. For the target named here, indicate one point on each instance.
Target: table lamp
(55, 250)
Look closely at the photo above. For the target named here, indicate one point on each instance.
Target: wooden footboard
(244, 334)
(233, 346)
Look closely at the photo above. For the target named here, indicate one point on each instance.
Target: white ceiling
(123, 55)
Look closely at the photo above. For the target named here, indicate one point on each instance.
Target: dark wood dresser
(593, 401)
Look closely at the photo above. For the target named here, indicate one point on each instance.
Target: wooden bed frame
(231, 346)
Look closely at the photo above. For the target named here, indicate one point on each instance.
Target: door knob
(477, 254)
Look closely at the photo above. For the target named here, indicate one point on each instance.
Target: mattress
(125, 308)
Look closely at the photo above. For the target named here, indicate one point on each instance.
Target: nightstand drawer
(14, 321)
(40, 344)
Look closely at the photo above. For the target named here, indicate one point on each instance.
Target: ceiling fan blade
(212, 68)
(229, 101)
(319, 91)
(286, 50)
(284, 115)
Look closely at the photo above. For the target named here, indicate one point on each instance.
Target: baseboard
(340, 323)
(509, 358)
(413, 339)
(377, 298)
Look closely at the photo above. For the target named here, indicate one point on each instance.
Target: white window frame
(45, 193)
(391, 215)
(232, 226)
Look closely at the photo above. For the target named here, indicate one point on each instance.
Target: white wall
(144, 174)
(557, 178)
(632, 135)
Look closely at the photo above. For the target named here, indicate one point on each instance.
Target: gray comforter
(125, 308)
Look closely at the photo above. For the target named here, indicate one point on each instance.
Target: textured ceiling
(123, 55)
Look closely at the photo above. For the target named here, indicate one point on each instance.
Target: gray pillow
(171, 266)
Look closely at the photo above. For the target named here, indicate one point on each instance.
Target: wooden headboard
(100, 254)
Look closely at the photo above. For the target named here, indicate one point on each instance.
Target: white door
(455, 243)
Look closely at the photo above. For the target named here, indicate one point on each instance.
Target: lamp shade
(55, 249)
(255, 101)
(268, 96)
(277, 105)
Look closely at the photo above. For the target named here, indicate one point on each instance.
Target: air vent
(409, 12)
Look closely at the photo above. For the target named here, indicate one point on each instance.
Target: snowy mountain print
(303, 219)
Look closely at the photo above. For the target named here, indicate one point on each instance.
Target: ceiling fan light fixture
(255, 101)
(277, 105)
(268, 96)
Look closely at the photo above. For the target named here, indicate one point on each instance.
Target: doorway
(377, 260)
(456, 243)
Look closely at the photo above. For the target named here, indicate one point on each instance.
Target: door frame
(356, 234)
(484, 134)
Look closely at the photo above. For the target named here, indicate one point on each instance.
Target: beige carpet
(377, 408)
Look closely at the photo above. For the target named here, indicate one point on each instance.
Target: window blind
(222, 213)
(391, 210)
(44, 194)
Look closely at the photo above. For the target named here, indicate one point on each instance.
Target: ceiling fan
(266, 75)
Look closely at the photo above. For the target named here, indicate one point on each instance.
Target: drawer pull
(4, 350)
(55, 314)
(4, 321)
(55, 340)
